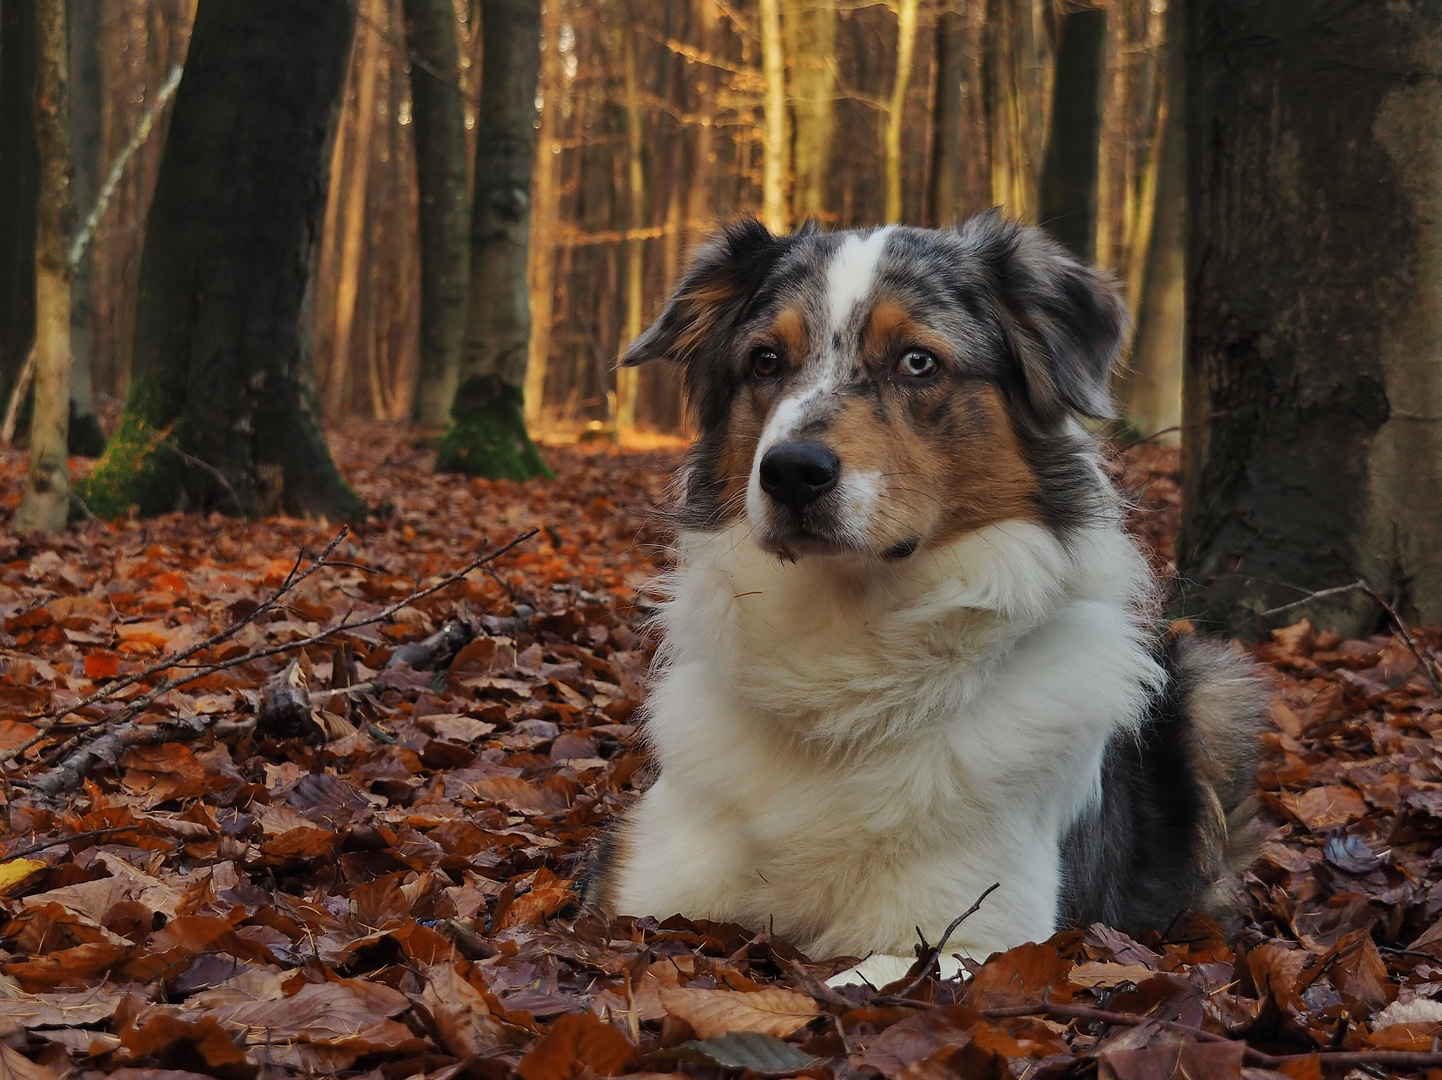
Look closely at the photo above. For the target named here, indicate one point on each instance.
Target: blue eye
(917, 364)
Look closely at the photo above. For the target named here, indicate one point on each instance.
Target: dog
(909, 650)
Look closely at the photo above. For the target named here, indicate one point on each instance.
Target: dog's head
(887, 391)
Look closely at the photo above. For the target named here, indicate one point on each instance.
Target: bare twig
(95, 750)
(89, 834)
(1222, 415)
(1399, 1059)
(932, 953)
(292, 579)
(23, 380)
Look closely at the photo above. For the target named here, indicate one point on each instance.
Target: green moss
(137, 469)
(487, 437)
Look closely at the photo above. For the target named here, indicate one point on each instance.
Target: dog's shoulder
(1175, 820)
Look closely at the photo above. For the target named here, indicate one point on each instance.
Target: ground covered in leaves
(269, 812)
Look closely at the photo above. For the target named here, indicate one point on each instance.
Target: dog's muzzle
(796, 474)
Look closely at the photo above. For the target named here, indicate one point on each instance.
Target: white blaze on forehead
(851, 274)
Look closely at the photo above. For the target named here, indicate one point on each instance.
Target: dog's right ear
(712, 295)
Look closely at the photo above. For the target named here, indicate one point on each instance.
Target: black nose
(796, 474)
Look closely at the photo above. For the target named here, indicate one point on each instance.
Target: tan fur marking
(789, 331)
(892, 329)
(938, 481)
(743, 432)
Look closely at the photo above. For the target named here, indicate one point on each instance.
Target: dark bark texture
(19, 189)
(442, 180)
(1069, 168)
(487, 435)
(1315, 326)
(943, 195)
(221, 411)
(86, 438)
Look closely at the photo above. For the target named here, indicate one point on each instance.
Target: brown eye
(917, 364)
(765, 364)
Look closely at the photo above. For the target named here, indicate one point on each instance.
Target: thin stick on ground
(73, 768)
(931, 954)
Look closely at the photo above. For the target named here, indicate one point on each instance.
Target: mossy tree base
(487, 435)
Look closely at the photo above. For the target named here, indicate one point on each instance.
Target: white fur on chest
(849, 751)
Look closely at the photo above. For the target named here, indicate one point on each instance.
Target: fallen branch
(294, 578)
(102, 750)
(108, 749)
(1400, 1059)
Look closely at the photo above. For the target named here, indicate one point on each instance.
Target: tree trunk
(19, 186)
(1150, 389)
(1069, 170)
(221, 411)
(341, 368)
(943, 194)
(86, 438)
(45, 504)
(700, 211)
(487, 434)
(439, 127)
(810, 40)
(545, 215)
(628, 384)
(1316, 319)
(906, 15)
(775, 164)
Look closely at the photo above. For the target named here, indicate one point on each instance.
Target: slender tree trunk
(221, 411)
(1150, 390)
(906, 16)
(1316, 318)
(545, 215)
(341, 369)
(487, 434)
(86, 438)
(442, 178)
(775, 163)
(810, 41)
(1069, 170)
(45, 504)
(19, 186)
(943, 194)
(700, 213)
(628, 382)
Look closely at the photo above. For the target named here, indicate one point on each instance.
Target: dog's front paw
(879, 970)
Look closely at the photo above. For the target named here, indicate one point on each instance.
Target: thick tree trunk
(810, 40)
(45, 504)
(222, 410)
(86, 438)
(943, 194)
(19, 186)
(775, 164)
(906, 18)
(1316, 318)
(487, 434)
(1069, 170)
(439, 126)
(1150, 389)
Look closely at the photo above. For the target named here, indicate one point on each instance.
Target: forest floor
(344, 844)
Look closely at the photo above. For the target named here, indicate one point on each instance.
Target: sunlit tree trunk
(487, 433)
(19, 184)
(222, 411)
(628, 378)
(545, 215)
(1314, 376)
(776, 165)
(1069, 171)
(699, 210)
(810, 42)
(943, 193)
(438, 123)
(1150, 388)
(906, 16)
(85, 438)
(45, 504)
(340, 369)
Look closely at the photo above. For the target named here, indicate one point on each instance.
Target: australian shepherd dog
(909, 650)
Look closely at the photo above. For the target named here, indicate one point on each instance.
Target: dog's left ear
(711, 296)
(1068, 321)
